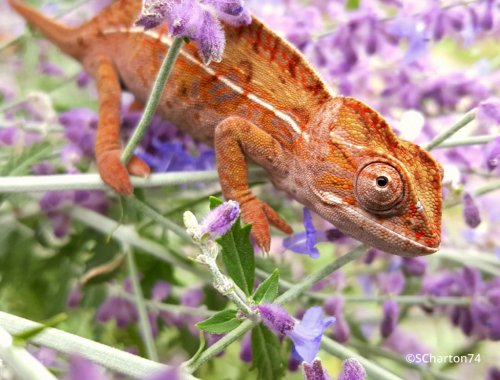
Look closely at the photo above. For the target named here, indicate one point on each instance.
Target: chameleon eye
(379, 187)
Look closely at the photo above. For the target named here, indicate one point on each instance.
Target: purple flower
(471, 211)
(315, 371)
(246, 349)
(220, 220)
(413, 31)
(75, 296)
(390, 319)
(192, 297)
(414, 266)
(493, 154)
(119, 309)
(488, 111)
(391, 282)
(493, 373)
(83, 369)
(352, 370)
(276, 318)
(304, 242)
(306, 335)
(196, 20)
(334, 306)
(160, 291)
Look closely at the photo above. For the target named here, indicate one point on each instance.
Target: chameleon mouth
(357, 225)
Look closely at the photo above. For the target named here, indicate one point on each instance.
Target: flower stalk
(154, 99)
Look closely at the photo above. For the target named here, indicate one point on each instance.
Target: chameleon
(262, 103)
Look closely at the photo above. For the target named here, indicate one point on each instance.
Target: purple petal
(220, 220)
(211, 40)
(389, 321)
(352, 370)
(276, 318)
(315, 371)
(83, 369)
(160, 291)
(306, 335)
(471, 211)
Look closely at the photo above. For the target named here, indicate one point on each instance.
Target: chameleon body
(263, 102)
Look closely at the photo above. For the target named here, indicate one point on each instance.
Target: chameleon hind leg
(235, 140)
(108, 147)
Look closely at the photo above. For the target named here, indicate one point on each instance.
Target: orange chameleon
(265, 103)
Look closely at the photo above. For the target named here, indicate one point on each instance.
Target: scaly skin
(263, 103)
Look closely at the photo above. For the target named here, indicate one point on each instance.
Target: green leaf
(22, 337)
(21, 163)
(237, 253)
(220, 323)
(352, 4)
(214, 202)
(266, 354)
(268, 290)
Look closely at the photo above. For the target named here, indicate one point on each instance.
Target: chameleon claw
(138, 167)
(261, 216)
(114, 173)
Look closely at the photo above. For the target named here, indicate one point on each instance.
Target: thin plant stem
(297, 290)
(144, 324)
(154, 98)
(157, 217)
(116, 360)
(177, 309)
(445, 135)
(26, 184)
(20, 361)
(126, 234)
(473, 140)
(288, 296)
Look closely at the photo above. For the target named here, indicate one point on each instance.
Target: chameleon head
(379, 189)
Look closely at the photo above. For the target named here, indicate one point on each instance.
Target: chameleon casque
(263, 102)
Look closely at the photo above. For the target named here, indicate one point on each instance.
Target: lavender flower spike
(197, 20)
(352, 370)
(471, 211)
(315, 371)
(306, 335)
(220, 219)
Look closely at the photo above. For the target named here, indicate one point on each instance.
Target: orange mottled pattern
(263, 103)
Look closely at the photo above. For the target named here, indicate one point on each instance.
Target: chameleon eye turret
(379, 188)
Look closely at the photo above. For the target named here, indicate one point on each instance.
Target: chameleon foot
(114, 173)
(261, 215)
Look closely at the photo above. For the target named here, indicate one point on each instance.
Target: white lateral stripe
(168, 41)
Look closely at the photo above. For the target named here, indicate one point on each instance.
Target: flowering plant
(126, 273)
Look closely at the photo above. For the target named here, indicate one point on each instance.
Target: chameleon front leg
(108, 148)
(235, 140)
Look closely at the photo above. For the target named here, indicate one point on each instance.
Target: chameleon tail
(61, 35)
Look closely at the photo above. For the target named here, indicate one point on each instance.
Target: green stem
(473, 140)
(126, 234)
(177, 309)
(116, 360)
(411, 300)
(144, 324)
(466, 119)
(25, 184)
(20, 361)
(154, 98)
(296, 291)
(157, 217)
(290, 295)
